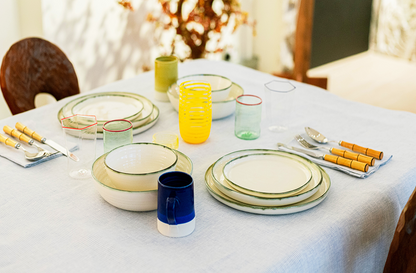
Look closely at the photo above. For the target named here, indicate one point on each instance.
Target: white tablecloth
(51, 223)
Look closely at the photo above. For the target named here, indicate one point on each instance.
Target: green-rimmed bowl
(131, 200)
(137, 166)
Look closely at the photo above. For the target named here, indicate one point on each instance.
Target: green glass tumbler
(116, 133)
(247, 117)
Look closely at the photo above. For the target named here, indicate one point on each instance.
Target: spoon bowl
(315, 135)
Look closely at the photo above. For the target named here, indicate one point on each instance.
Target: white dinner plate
(267, 174)
(306, 204)
(148, 117)
(222, 184)
(108, 107)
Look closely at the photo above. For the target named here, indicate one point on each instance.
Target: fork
(347, 154)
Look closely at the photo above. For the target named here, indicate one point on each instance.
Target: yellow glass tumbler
(195, 111)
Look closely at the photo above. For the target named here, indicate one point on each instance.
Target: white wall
(9, 16)
(267, 43)
(104, 41)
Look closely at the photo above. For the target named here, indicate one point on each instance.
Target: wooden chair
(32, 66)
(402, 253)
(303, 45)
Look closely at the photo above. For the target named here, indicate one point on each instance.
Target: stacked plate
(267, 182)
(114, 105)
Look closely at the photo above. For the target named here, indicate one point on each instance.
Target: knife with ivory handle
(22, 128)
(353, 164)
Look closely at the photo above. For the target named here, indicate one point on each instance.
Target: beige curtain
(393, 28)
(290, 12)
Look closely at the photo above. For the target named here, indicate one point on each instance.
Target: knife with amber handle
(318, 137)
(22, 137)
(353, 164)
(22, 128)
(344, 153)
(28, 155)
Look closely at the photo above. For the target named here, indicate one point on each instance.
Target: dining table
(50, 222)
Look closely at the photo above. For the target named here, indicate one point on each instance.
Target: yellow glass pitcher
(195, 111)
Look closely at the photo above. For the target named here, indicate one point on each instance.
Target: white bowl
(131, 200)
(220, 109)
(137, 166)
(220, 86)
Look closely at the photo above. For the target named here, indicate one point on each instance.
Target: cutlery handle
(370, 152)
(22, 128)
(13, 132)
(8, 141)
(354, 156)
(353, 164)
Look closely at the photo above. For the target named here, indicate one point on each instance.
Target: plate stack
(114, 105)
(267, 182)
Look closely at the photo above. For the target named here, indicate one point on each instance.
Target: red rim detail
(115, 131)
(249, 104)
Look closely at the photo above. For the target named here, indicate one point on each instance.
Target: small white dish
(220, 86)
(222, 184)
(220, 109)
(137, 166)
(264, 174)
(306, 204)
(131, 200)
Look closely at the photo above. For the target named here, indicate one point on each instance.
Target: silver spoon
(28, 155)
(318, 137)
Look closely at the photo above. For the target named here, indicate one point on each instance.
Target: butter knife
(353, 164)
(22, 128)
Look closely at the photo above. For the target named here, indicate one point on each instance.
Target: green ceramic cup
(166, 73)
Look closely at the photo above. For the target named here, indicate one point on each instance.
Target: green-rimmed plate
(306, 204)
(108, 107)
(147, 118)
(265, 174)
(281, 200)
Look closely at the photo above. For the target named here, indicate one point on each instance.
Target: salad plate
(263, 174)
(223, 185)
(221, 162)
(306, 204)
(147, 118)
(109, 106)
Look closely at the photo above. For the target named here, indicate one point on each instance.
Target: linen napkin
(372, 169)
(18, 157)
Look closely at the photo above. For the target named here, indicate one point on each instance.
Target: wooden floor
(374, 79)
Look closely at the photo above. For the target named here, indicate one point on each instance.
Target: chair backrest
(402, 253)
(32, 66)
